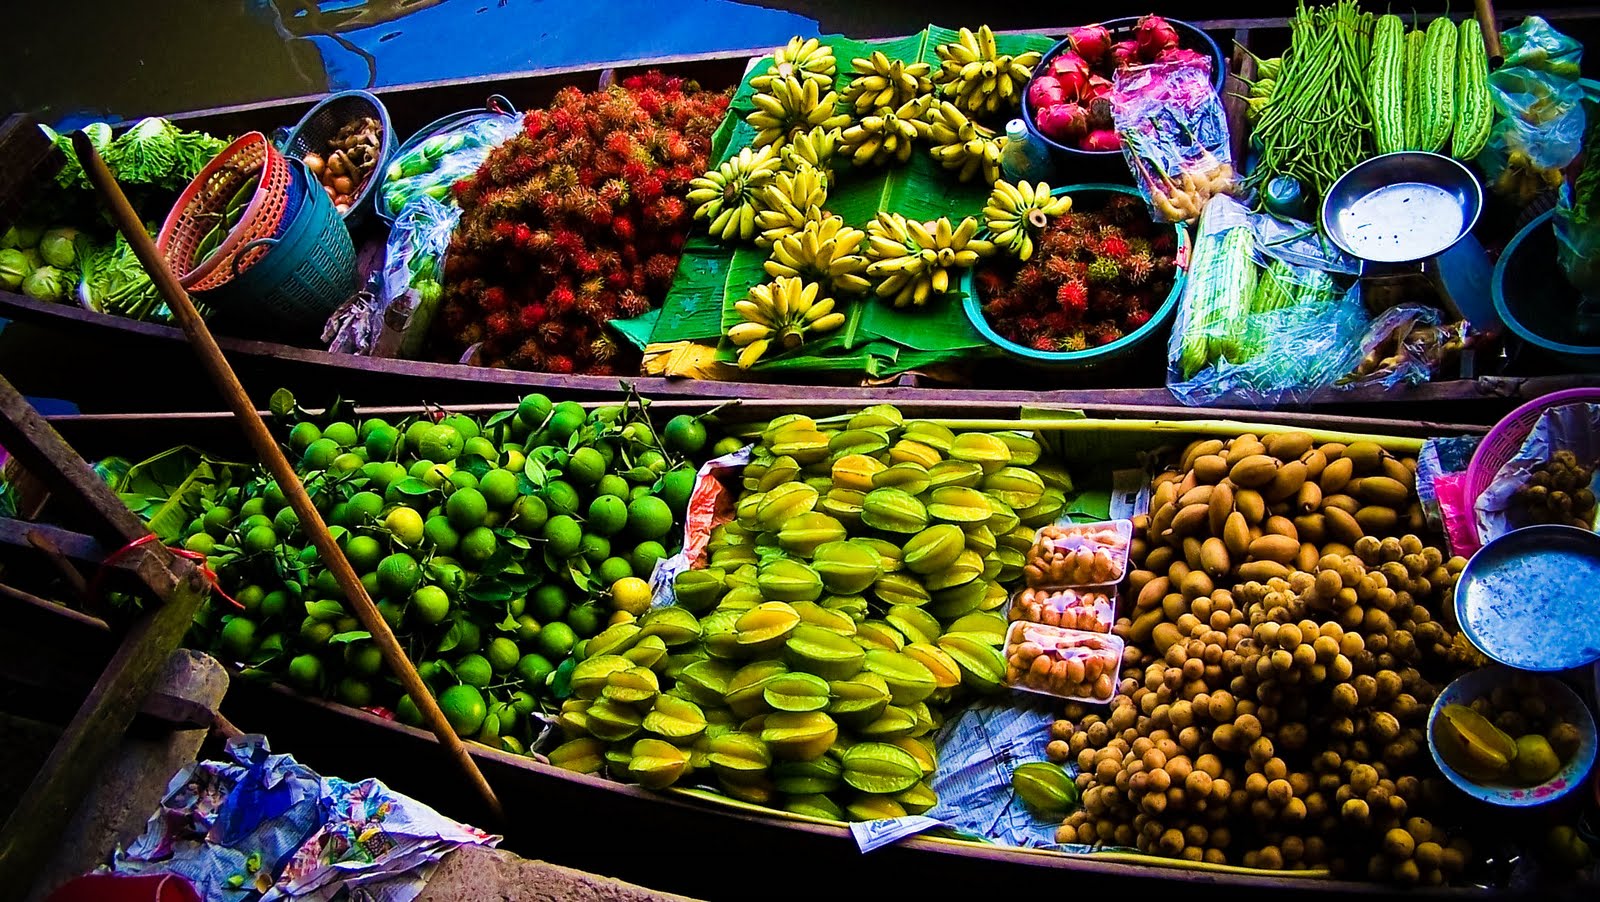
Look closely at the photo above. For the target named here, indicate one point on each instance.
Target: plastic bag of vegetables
(431, 167)
(1174, 137)
(393, 318)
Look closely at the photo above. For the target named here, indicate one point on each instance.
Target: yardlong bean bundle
(1319, 122)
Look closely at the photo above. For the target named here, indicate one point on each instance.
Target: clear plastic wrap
(1077, 609)
(1404, 344)
(392, 318)
(1174, 135)
(1539, 115)
(434, 165)
(1573, 428)
(1079, 554)
(1069, 664)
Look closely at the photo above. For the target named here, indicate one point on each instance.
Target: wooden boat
(42, 335)
(690, 842)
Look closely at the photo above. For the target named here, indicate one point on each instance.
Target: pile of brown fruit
(1282, 654)
(1557, 491)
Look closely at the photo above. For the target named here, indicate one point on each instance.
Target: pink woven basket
(1507, 436)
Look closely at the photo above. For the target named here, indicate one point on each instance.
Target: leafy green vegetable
(113, 281)
(46, 283)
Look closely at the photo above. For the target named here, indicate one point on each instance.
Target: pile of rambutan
(576, 220)
(1096, 276)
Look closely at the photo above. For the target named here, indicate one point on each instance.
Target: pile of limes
(492, 548)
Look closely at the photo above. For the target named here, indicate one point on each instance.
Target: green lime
(398, 575)
(405, 711)
(414, 433)
(308, 555)
(305, 672)
(326, 585)
(441, 535)
(364, 553)
(302, 435)
(523, 701)
(355, 693)
(239, 638)
(608, 515)
(529, 514)
(631, 594)
(383, 443)
(499, 488)
(274, 496)
(216, 521)
(430, 605)
(726, 445)
(275, 604)
(370, 425)
(253, 507)
(639, 491)
(258, 540)
(341, 432)
(463, 424)
(369, 581)
(384, 474)
(548, 603)
(506, 716)
(594, 547)
(644, 557)
(432, 672)
(461, 479)
(676, 487)
(348, 462)
(363, 658)
(436, 475)
(565, 420)
(466, 509)
(586, 466)
(640, 434)
(286, 521)
(316, 633)
(649, 517)
(684, 434)
(478, 545)
(201, 543)
(555, 640)
(527, 628)
(478, 446)
(585, 619)
(502, 654)
(612, 484)
(515, 460)
(532, 410)
(405, 525)
(464, 708)
(474, 670)
(441, 443)
(563, 536)
(534, 669)
(447, 575)
(367, 504)
(561, 497)
(654, 461)
(612, 569)
(319, 454)
(419, 469)
(393, 612)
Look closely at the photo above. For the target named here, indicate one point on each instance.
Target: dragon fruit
(1045, 91)
(1183, 56)
(1101, 139)
(1154, 34)
(1072, 72)
(1099, 86)
(1063, 122)
(1092, 42)
(1124, 54)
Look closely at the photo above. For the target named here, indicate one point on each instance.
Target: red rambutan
(660, 268)
(631, 304)
(559, 364)
(499, 325)
(1074, 298)
(561, 298)
(493, 299)
(1135, 317)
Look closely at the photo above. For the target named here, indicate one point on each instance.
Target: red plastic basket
(1506, 438)
(206, 198)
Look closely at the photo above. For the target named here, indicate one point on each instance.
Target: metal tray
(1530, 599)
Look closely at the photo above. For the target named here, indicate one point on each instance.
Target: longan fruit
(1279, 792)
(1356, 811)
(1275, 769)
(1261, 750)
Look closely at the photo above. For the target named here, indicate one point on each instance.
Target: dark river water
(71, 61)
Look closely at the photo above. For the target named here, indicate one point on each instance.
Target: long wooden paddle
(255, 429)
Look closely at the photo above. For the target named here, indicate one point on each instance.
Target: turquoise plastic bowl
(1089, 357)
(1525, 278)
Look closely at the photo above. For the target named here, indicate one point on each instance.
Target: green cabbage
(46, 284)
(144, 154)
(14, 267)
(56, 247)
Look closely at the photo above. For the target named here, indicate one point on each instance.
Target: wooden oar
(255, 429)
(1491, 33)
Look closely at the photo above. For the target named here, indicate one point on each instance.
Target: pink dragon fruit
(1099, 86)
(1124, 54)
(1092, 42)
(1045, 90)
(1153, 35)
(1101, 139)
(1063, 122)
(1073, 73)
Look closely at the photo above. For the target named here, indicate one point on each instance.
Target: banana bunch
(882, 82)
(962, 145)
(809, 61)
(784, 311)
(814, 148)
(973, 73)
(1015, 213)
(787, 108)
(887, 134)
(790, 200)
(729, 196)
(824, 251)
(913, 259)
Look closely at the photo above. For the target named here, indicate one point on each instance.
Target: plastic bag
(1174, 135)
(1571, 427)
(1539, 115)
(391, 317)
(1217, 294)
(1404, 344)
(433, 166)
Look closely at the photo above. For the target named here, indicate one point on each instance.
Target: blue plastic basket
(307, 271)
(1089, 357)
(323, 121)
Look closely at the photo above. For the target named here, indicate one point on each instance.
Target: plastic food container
(1079, 554)
(1071, 664)
(1093, 610)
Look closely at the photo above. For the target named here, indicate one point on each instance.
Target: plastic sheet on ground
(1572, 427)
(265, 823)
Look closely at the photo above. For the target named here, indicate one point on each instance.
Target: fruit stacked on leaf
(850, 605)
(492, 548)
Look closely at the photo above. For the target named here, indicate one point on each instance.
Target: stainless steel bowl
(1530, 599)
(1402, 207)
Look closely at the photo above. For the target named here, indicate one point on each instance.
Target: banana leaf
(173, 487)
